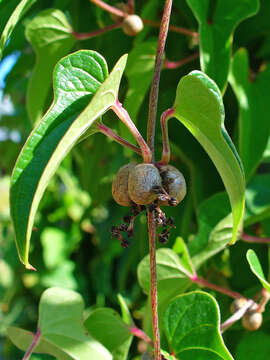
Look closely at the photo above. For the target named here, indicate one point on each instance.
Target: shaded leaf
(15, 17)
(191, 324)
(254, 125)
(107, 327)
(62, 333)
(51, 37)
(216, 33)
(257, 199)
(198, 105)
(256, 268)
(255, 346)
(181, 250)
(58, 131)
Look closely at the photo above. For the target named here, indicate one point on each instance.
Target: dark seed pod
(132, 25)
(120, 185)
(174, 183)
(252, 320)
(142, 179)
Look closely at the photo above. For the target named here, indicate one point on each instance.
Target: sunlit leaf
(217, 22)
(62, 333)
(198, 105)
(58, 131)
(191, 324)
(256, 268)
(17, 14)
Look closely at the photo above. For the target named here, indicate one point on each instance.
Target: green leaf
(58, 131)
(17, 14)
(198, 105)
(216, 33)
(62, 333)
(51, 37)
(181, 250)
(254, 125)
(191, 324)
(257, 199)
(107, 327)
(255, 346)
(171, 279)
(126, 316)
(256, 268)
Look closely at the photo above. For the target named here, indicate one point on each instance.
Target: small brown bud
(132, 25)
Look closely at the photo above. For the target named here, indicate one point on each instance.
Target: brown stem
(176, 64)
(166, 154)
(109, 8)
(141, 335)
(131, 6)
(203, 282)
(264, 300)
(155, 83)
(254, 239)
(85, 36)
(173, 28)
(237, 315)
(112, 135)
(124, 116)
(32, 345)
(153, 270)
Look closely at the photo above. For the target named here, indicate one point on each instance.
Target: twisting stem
(166, 154)
(111, 134)
(141, 335)
(173, 28)
(254, 239)
(32, 345)
(233, 294)
(155, 83)
(151, 125)
(153, 271)
(176, 64)
(109, 8)
(124, 116)
(84, 36)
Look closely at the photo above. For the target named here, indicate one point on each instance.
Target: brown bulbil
(120, 185)
(142, 179)
(132, 25)
(237, 304)
(174, 183)
(252, 320)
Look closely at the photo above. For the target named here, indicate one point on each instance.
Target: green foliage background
(72, 246)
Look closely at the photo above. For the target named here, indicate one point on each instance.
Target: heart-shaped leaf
(198, 105)
(254, 124)
(256, 268)
(77, 78)
(51, 37)
(216, 33)
(107, 327)
(191, 324)
(15, 17)
(61, 332)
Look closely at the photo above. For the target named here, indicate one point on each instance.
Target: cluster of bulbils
(146, 185)
(252, 320)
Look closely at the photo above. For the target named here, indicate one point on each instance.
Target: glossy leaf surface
(62, 333)
(256, 268)
(15, 17)
(198, 105)
(51, 37)
(191, 324)
(54, 136)
(254, 124)
(216, 26)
